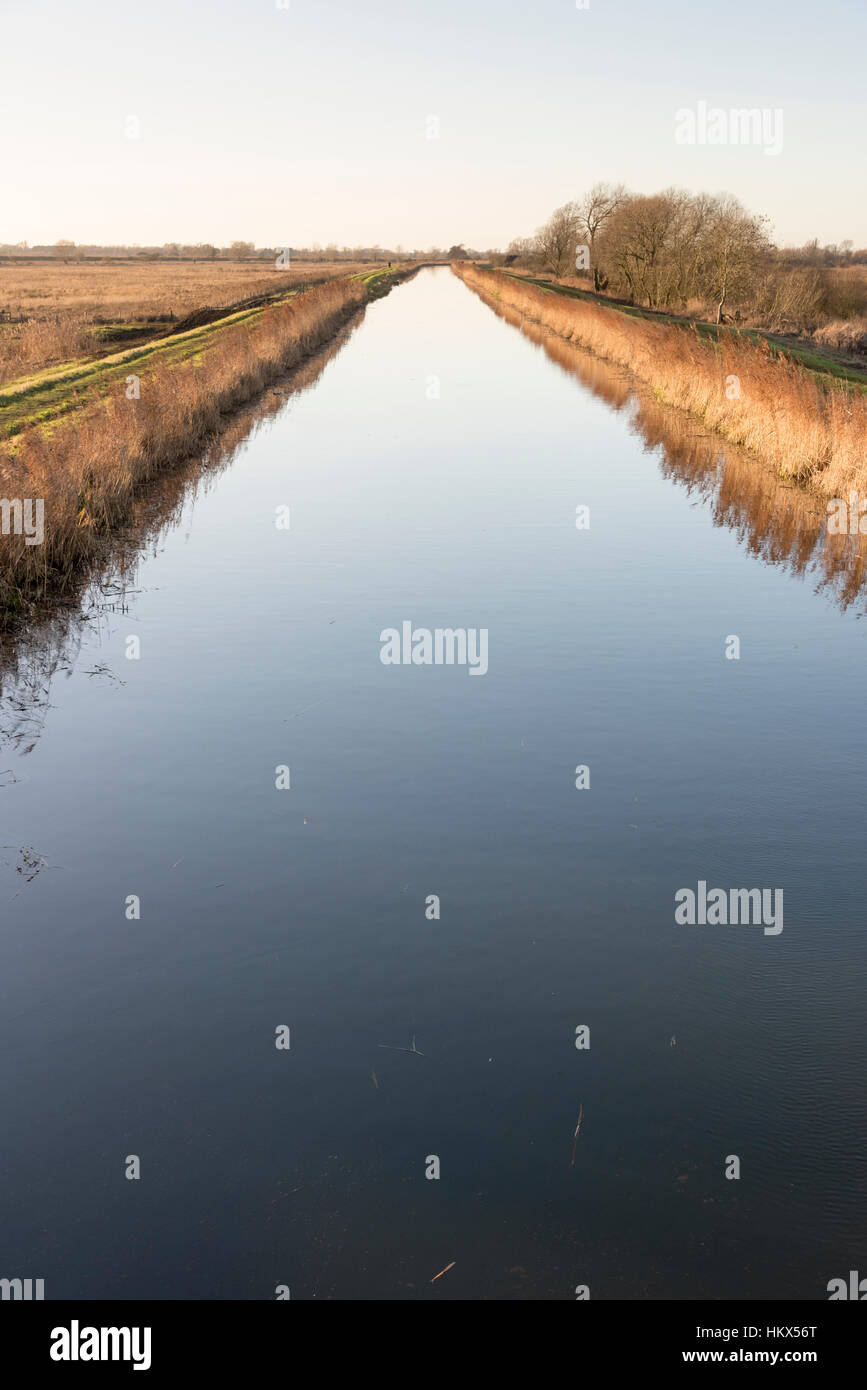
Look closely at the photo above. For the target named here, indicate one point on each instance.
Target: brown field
(805, 428)
(54, 311)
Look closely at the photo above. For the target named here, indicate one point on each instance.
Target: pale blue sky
(289, 126)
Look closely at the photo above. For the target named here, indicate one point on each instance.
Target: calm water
(433, 473)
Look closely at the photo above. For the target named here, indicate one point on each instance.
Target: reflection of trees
(778, 522)
(47, 644)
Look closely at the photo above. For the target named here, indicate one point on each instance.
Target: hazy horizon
(400, 125)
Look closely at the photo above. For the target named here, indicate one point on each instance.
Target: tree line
(66, 250)
(690, 253)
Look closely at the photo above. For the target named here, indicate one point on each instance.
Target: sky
(416, 123)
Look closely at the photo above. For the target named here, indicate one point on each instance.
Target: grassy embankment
(810, 426)
(86, 436)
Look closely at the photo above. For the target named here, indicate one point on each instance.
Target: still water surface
(433, 472)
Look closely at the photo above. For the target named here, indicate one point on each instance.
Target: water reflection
(776, 521)
(304, 909)
(47, 644)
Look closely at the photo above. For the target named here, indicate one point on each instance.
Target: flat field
(54, 311)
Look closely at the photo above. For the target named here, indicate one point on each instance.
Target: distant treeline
(236, 251)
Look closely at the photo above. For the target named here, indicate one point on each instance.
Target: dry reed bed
(89, 471)
(783, 524)
(806, 430)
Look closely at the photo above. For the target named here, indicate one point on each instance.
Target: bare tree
(734, 245)
(592, 212)
(524, 251)
(637, 243)
(693, 215)
(557, 240)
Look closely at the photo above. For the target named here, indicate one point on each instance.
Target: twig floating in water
(577, 1134)
(443, 1271)
(392, 1048)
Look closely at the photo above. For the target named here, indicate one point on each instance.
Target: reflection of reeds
(47, 643)
(92, 467)
(780, 523)
(743, 390)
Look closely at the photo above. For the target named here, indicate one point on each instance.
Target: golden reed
(88, 470)
(806, 429)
